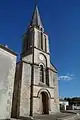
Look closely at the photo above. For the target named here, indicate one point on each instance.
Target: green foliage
(74, 100)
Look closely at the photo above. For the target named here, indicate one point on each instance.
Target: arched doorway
(45, 103)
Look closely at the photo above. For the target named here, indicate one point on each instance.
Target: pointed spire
(36, 20)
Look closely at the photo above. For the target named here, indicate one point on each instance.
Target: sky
(61, 19)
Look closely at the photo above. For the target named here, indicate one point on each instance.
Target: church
(34, 90)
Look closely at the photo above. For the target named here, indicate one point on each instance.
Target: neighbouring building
(7, 76)
(74, 103)
(33, 86)
(63, 104)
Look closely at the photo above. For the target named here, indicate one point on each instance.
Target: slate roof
(36, 20)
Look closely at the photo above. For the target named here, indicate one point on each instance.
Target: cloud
(67, 77)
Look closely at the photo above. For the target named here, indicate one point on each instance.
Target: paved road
(53, 117)
(59, 116)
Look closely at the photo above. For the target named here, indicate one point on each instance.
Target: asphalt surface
(53, 117)
(58, 116)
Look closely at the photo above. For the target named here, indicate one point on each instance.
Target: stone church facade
(36, 83)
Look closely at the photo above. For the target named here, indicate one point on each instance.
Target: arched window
(47, 76)
(41, 40)
(41, 73)
(45, 44)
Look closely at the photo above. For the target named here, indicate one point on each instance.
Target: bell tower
(35, 35)
(36, 77)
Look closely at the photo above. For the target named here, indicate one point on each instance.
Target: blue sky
(61, 19)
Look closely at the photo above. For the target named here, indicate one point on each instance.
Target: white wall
(7, 74)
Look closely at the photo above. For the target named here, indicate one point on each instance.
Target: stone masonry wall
(25, 90)
(54, 83)
(37, 39)
(37, 100)
(7, 74)
(56, 92)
